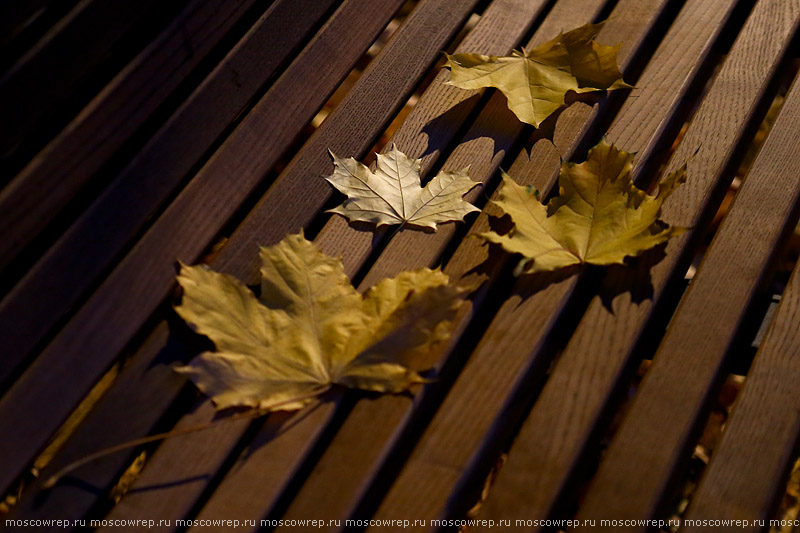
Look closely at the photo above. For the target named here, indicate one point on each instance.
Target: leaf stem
(251, 413)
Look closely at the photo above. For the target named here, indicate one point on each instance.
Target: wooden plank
(673, 401)
(14, 15)
(71, 500)
(376, 86)
(41, 79)
(574, 400)
(277, 454)
(40, 400)
(283, 436)
(479, 403)
(494, 29)
(360, 244)
(55, 283)
(351, 457)
(418, 135)
(258, 501)
(58, 173)
(17, 17)
(748, 470)
(68, 267)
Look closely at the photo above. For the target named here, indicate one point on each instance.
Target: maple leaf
(536, 81)
(310, 329)
(393, 195)
(600, 216)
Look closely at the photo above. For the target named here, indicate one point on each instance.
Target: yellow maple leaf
(600, 216)
(310, 329)
(536, 81)
(393, 194)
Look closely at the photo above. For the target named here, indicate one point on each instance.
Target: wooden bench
(137, 134)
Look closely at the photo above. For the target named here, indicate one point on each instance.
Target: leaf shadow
(528, 285)
(182, 344)
(590, 98)
(277, 423)
(634, 278)
(439, 130)
(71, 482)
(171, 484)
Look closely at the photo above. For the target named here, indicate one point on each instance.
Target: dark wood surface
(593, 363)
(141, 281)
(33, 199)
(45, 75)
(518, 333)
(185, 133)
(757, 448)
(687, 368)
(73, 263)
(224, 443)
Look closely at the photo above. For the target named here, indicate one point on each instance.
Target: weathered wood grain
(281, 446)
(747, 474)
(350, 450)
(419, 135)
(494, 29)
(47, 73)
(350, 460)
(589, 370)
(73, 263)
(672, 403)
(493, 383)
(414, 41)
(59, 172)
(115, 419)
(41, 399)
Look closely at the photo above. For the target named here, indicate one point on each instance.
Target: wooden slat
(18, 16)
(382, 86)
(49, 72)
(69, 267)
(15, 15)
(494, 33)
(747, 474)
(40, 400)
(574, 400)
(59, 172)
(390, 410)
(670, 406)
(276, 453)
(350, 459)
(419, 135)
(283, 445)
(452, 442)
(359, 244)
(283, 436)
(72, 501)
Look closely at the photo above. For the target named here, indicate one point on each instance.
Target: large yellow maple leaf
(310, 329)
(599, 217)
(536, 81)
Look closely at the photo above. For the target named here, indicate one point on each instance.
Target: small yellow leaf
(600, 216)
(536, 82)
(393, 194)
(310, 329)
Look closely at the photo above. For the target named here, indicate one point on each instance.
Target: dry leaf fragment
(310, 328)
(599, 217)
(393, 195)
(536, 81)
